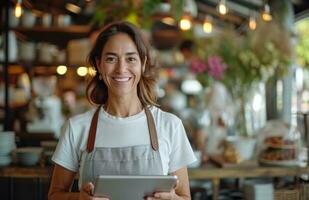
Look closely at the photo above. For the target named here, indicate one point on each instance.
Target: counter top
(245, 172)
(26, 172)
(194, 173)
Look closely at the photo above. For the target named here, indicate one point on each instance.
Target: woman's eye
(111, 59)
(132, 59)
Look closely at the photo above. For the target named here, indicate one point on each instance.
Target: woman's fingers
(163, 195)
(88, 188)
(86, 191)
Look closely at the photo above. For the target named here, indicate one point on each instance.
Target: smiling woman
(120, 67)
(131, 49)
(134, 136)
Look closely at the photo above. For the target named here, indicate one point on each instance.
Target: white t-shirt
(174, 146)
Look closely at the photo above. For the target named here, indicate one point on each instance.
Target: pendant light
(18, 11)
(266, 16)
(207, 25)
(185, 22)
(62, 69)
(252, 22)
(222, 8)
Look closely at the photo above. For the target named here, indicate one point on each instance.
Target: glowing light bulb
(252, 23)
(266, 16)
(207, 25)
(222, 9)
(185, 23)
(62, 69)
(18, 10)
(82, 71)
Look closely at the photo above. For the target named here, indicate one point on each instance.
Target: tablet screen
(132, 187)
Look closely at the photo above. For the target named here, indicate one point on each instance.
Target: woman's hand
(86, 193)
(164, 196)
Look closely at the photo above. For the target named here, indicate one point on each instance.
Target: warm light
(185, 23)
(73, 8)
(91, 71)
(266, 16)
(207, 25)
(82, 71)
(18, 10)
(62, 69)
(222, 9)
(168, 20)
(252, 23)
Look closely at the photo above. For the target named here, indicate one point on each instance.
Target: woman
(127, 134)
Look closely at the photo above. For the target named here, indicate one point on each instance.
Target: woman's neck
(123, 107)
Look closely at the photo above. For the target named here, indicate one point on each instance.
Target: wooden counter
(243, 172)
(216, 174)
(203, 173)
(26, 172)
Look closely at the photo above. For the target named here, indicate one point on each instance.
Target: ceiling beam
(212, 11)
(241, 8)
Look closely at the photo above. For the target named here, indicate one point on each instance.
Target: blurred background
(235, 71)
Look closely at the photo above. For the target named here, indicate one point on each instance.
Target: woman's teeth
(121, 79)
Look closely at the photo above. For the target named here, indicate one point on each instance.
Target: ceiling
(239, 9)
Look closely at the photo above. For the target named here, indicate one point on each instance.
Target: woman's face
(120, 66)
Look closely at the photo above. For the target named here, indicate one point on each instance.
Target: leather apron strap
(151, 128)
(93, 130)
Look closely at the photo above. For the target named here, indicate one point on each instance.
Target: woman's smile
(121, 79)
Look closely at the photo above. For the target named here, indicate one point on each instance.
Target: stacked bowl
(7, 144)
(28, 156)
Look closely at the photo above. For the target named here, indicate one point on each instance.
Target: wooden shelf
(245, 172)
(26, 172)
(54, 35)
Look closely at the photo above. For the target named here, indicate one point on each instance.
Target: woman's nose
(122, 65)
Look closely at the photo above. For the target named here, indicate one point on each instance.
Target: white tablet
(132, 187)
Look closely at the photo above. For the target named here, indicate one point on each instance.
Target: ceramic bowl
(28, 156)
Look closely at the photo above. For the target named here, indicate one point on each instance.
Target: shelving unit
(55, 35)
(10, 71)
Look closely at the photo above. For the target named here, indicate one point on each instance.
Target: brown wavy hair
(96, 91)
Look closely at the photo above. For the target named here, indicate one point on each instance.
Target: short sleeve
(66, 153)
(181, 154)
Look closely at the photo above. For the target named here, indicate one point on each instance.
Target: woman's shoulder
(83, 118)
(165, 116)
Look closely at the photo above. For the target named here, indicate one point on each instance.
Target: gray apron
(133, 160)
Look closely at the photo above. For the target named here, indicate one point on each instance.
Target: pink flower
(216, 66)
(197, 66)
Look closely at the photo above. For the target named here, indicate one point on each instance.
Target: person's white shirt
(174, 147)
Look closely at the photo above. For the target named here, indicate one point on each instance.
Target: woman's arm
(183, 187)
(61, 184)
(182, 190)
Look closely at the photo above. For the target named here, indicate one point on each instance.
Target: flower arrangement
(213, 68)
(238, 60)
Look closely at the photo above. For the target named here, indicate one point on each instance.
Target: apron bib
(133, 160)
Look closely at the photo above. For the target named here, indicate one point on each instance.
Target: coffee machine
(45, 110)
